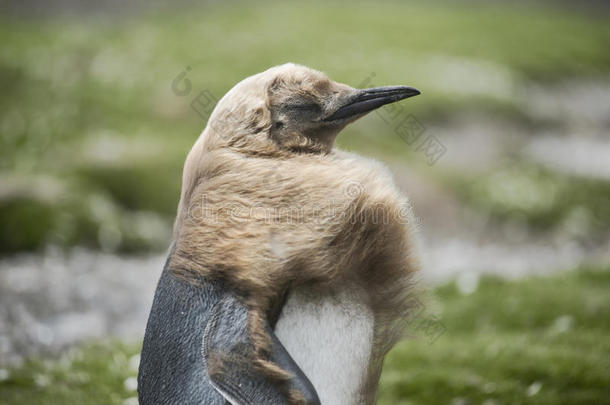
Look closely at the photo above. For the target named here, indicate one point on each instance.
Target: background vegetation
(92, 132)
(93, 136)
(541, 341)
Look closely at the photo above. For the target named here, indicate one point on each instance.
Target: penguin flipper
(227, 350)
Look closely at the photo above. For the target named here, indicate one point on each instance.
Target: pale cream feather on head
(284, 110)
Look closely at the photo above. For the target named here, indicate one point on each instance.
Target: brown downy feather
(267, 212)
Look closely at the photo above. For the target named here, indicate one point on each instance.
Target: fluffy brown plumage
(268, 205)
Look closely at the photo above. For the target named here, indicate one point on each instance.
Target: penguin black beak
(367, 100)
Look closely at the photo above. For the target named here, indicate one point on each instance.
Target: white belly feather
(330, 338)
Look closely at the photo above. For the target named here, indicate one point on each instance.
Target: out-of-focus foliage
(93, 137)
(539, 198)
(538, 341)
(101, 373)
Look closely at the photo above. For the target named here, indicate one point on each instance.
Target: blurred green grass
(539, 198)
(88, 104)
(535, 341)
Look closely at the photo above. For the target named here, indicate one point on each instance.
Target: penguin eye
(278, 125)
(303, 107)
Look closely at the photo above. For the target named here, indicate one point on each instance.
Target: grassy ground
(92, 141)
(537, 341)
(92, 134)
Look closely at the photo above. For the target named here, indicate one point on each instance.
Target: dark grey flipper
(190, 326)
(226, 339)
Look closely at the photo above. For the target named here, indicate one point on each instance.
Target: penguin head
(292, 108)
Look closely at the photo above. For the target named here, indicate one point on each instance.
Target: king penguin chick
(292, 270)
